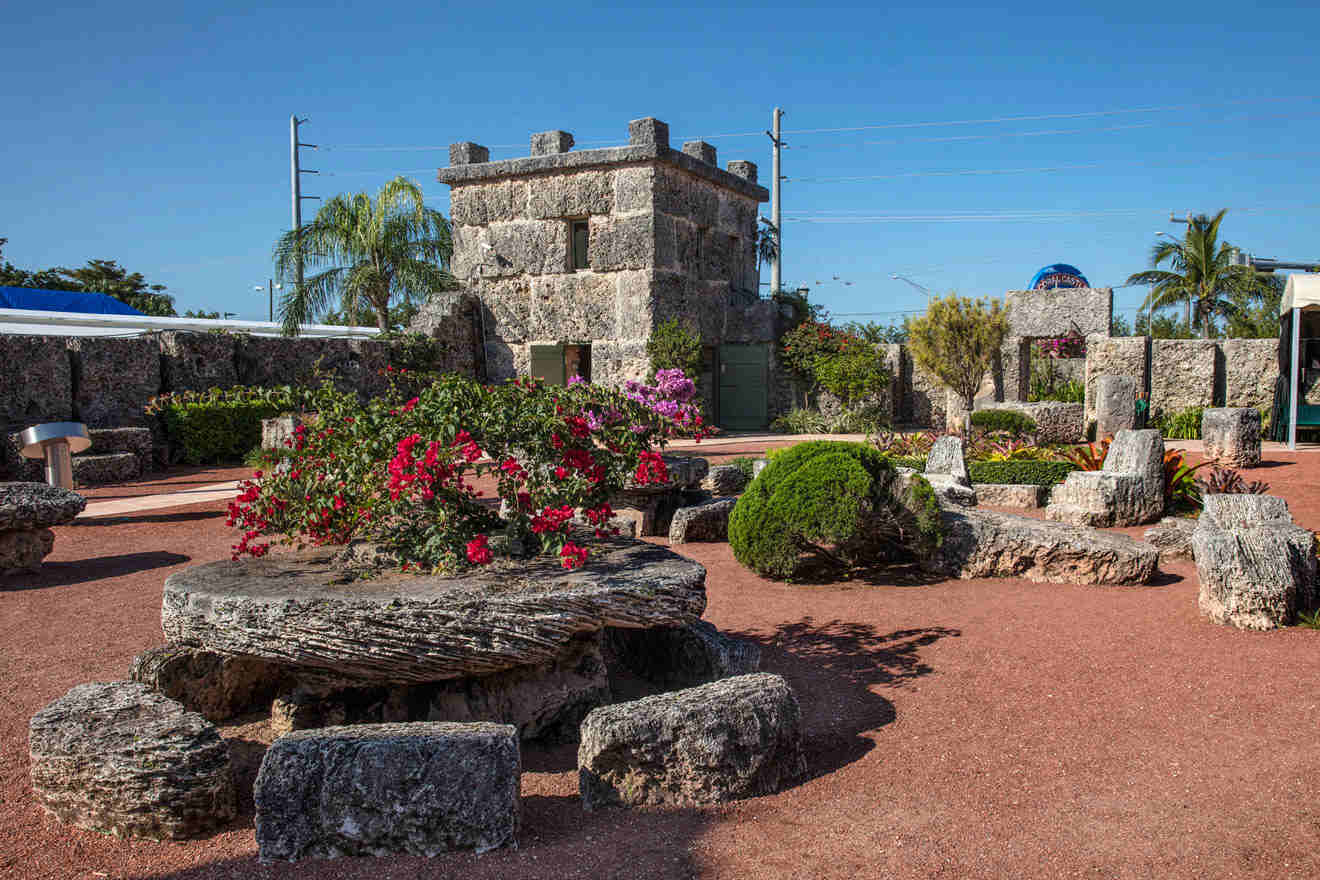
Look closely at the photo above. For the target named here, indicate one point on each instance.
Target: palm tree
(369, 253)
(767, 244)
(1203, 275)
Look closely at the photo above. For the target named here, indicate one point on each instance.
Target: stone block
(735, 738)
(1172, 537)
(37, 506)
(726, 479)
(572, 307)
(135, 440)
(508, 308)
(614, 362)
(526, 247)
(389, 789)
(22, 550)
(1026, 496)
(719, 255)
(100, 470)
(1115, 405)
(197, 361)
(946, 457)
(278, 433)
(1232, 436)
(118, 758)
(1059, 312)
(563, 196)
(467, 153)
(701, 151)
(1056, 422)
(480, 204)
(683, 656)
(744, 169)
(985, 544)
(925, 397)
(706, 521)
(686, 196)
(1250, 371)
(113, 379)
(545, 143)
(648, 132)
(38, 384)
(216, 686)
(1113, 356)
(1256, 568)
(1128, 491)
(633, 188)
(622, 243)
(1182, 374)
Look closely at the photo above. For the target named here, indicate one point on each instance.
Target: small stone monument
(1115, 405)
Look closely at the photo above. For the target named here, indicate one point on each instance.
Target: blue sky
(156, 134)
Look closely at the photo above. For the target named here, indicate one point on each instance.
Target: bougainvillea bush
(398, 472)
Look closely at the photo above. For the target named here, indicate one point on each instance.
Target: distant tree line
(98, 276)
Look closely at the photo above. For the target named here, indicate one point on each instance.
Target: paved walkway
(120, 506)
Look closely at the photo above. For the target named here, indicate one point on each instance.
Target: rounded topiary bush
(1006, 420)
(840, 503)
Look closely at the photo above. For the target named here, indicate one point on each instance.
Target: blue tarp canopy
(63, 301)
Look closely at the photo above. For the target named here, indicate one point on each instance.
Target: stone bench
(735, 738)
(27, 511)
(1027, 496)
(388, 789)
(1127, 491)
(1256, 568)
(946, 471)
(118, 758)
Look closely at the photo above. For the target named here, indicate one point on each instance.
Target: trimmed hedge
(218, 426)
(835, 499)
(1017, 472)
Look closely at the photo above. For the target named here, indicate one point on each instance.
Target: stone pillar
(547, 143)
(700, 150)
(1115, 405)
(1232, 436)
(468, 153)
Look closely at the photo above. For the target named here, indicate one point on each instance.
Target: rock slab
(388, 789)
(1022, 495)
(683, 656)
(1172, 537)
(27, 511)
(982, 544)
(216, 686)
(1256, 568)
(1232, 436)
(706, 521)
(726, 479)
(735, 738)
(1127, 491)
(400, 628)
(118, 758)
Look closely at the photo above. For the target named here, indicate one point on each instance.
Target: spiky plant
(366, 252)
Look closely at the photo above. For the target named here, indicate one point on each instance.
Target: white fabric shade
(1301, 292)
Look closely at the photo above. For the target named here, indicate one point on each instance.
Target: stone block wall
(1116, 355)
(197, 361)
(111, 379)
(1057, 312)
(1249, 369)
(38, 381)
(1182, 374)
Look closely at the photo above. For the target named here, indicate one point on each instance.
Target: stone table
(27, 511)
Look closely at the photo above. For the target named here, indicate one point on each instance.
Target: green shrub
(219, 426)
(1006, 420)
(834, 501)
(800, 421)
(862, 419)
(673, 346)
(1181, 425)
(1020, 472)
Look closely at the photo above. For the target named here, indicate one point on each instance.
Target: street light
(271, 287)
(925, 290)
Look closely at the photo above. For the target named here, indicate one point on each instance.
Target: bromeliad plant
(398, 473)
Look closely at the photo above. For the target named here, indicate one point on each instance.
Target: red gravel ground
(955, 729)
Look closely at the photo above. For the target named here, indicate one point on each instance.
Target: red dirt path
(955, 729)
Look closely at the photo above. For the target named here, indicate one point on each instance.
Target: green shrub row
(1020, 472)
(1006, 420)
(219, 427)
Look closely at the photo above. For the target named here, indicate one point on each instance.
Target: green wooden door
(548, 363)
(744, 380)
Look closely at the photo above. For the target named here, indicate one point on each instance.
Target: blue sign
(1058, 275)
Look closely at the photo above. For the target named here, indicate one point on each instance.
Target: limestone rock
(981, 543)
(1127, 491)
(1056, 422)
(135, 440)
(100, 470)
(734, 738)
(21, 550)
(1112, 356)
(1256, 568)
(1023, 495)
(1182, 374)
(37, 506)
(946, 457)
(405, 628)
(706, 521)
(683, 656)
(1172, 537)
(1115, 404)
(950, 490)
(214, 685)
(1232, 436)
(388, 789)
(725, 479)
(117, 757)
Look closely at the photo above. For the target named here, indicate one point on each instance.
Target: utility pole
(295, 186)
(776, 274)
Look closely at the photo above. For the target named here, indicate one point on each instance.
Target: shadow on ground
(833, 667)
(139, 518)
(63, 574)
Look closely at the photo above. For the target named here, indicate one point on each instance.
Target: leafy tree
(955, 341)
(876, 333)
(854, 373)
(1201, 274)
(1257, 316)
(98, 276)
(674, 346)
(1162, 327)
(212, 316)
(370, 253)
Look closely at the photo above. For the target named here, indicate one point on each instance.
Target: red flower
(573, 556)
(477, 551)
(561, 472)
(408, 407)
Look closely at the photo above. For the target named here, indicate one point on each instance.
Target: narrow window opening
(580, 239)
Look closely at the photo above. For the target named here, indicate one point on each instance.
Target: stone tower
(576, 256)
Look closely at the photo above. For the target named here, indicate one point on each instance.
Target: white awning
(1302, 292)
